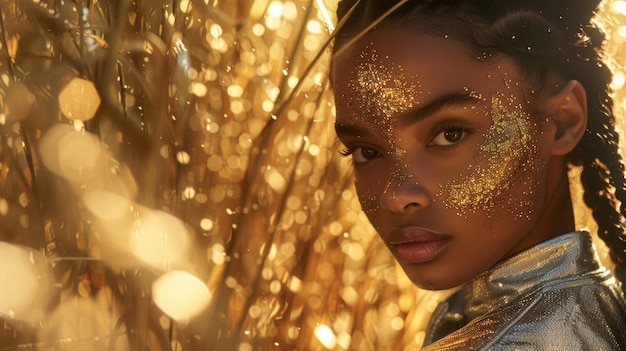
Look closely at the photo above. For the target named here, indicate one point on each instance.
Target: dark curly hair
(543, 38)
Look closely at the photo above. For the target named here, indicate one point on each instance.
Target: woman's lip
(419, 251)
(416, 245)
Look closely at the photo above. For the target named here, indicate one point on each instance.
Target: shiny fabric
(553, 296)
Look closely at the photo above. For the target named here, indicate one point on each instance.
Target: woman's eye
(449, 137)
(361, 154)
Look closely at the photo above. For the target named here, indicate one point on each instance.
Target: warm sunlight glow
(180, 294)
(107, 206)
(24, 279)
(326, 336)
(160, 240)
(73, 155)
(79, 99)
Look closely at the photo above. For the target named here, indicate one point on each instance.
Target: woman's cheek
(369, 190)
(506, 169)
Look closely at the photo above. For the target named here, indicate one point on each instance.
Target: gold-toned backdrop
(170, 180)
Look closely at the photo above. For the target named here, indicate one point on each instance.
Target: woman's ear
(567, 117)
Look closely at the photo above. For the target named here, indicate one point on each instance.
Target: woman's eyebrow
(417, 113)
(421, 112)
(344, 129)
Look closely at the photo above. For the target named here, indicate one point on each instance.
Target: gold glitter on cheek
(380, 90)
(512, 164)
(370, 205)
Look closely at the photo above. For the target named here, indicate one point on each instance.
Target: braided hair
(543, 38)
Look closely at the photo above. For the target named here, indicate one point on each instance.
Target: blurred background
(170, 180)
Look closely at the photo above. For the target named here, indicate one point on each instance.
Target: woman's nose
(404, 193)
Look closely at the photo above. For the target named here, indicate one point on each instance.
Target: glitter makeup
(397, 178)
(512, 162)
(380, 89)
(370, 205)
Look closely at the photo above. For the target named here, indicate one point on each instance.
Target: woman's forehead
(380, 87)
(392, 70)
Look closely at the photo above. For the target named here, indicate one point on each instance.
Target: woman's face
(448, 159)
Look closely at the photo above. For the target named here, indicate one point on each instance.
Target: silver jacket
(553, 296)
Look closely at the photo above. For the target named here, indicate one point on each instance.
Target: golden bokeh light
(79, 99)
(180, 295)
(25, 278)
(71, 154)
(326, 336)
(85, 323)
(107, 206)
(177, 172)
(160, 240)
(18, 101)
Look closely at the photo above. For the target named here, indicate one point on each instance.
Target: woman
(462, 119)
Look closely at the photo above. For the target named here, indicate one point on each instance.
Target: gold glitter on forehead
(513, 164)
(380, 90)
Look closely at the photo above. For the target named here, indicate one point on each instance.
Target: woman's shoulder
(584, 314)
(577, 316)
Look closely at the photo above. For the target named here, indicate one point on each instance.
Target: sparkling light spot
(275, 9)
(183, 157)
(160, 240)
(79, 99)
(397, 323)
(290, 10)
(275, 180)
(619, 7)
(71, 154)
(198, 89)
(254, 311)
(185, 6)
(217, 254)
(189, 193)
(314, 27)
(106, 205)
(235, 91)
(23, 275)
(216, 30)
(206, 224)
(258, 29)
(326, 336)
(180, 294)
(619, 79)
